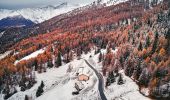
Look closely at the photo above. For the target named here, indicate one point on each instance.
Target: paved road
(101, 82)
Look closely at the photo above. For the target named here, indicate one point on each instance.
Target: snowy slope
(112, 2)
(127, 91)
(37, 15)
(15, 21)
(32, 55)
(59, 84)
(41, 14)
(64, 90)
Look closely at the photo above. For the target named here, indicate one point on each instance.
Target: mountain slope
(40, 14)
(15, 21)
(16, 34)
(139, 36)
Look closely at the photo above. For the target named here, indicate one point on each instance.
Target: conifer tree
(147, 42)
(140, 47)
(154, 46)
(40, 89)
(26, 97)
(50, 64)
(100, 57)
(120, 80)
(58, 61)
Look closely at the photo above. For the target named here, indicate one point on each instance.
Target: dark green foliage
(30, 84)
(154, 46)
(97, 51)
(23, 87)
(136, 27)
(138, 71)
(58, 61)
(50, 64)
(147, 42)
(144, 78)
(42, 84)
(110, 79)
(36, 65)
(116, 72)
(120, 80)
(7, 92)
(127, 53)
(168, 42)
(140, 47)
(26, 97)
(100, 57)
(161, 73)
(40, 89)
(160, 17)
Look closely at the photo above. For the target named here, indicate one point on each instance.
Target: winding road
(101, 81)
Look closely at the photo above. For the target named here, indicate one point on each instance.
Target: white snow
(112, 2)
(59, 84)
(64, 91)
(127, 91)
(2, 33)
(41, 14)
(32, 55)
(36, 15)
(5, 54)
(145, 91)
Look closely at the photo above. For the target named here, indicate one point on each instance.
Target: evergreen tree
(147, 42)
(120, 80)
(140, 47)
(50, 64)
(110, 79)
(155, 43)
(40, 89)
(42, 84)
(26, 97)
(58, 61)
(100, 57)
(144, 78)
(116, 72)
(168, 41)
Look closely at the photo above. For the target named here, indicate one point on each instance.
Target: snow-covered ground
(112, 2)
(59, 84)
(127, 91)
(37, 15)
(32, 55)
(4, 54)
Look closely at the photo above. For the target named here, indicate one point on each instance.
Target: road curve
(101, 82)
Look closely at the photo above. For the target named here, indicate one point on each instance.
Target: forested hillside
(139, 30)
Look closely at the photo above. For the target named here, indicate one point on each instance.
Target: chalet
(83, 74)
(83, 77)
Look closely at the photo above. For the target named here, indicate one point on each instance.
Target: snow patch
(32, 55)
(5, 54)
